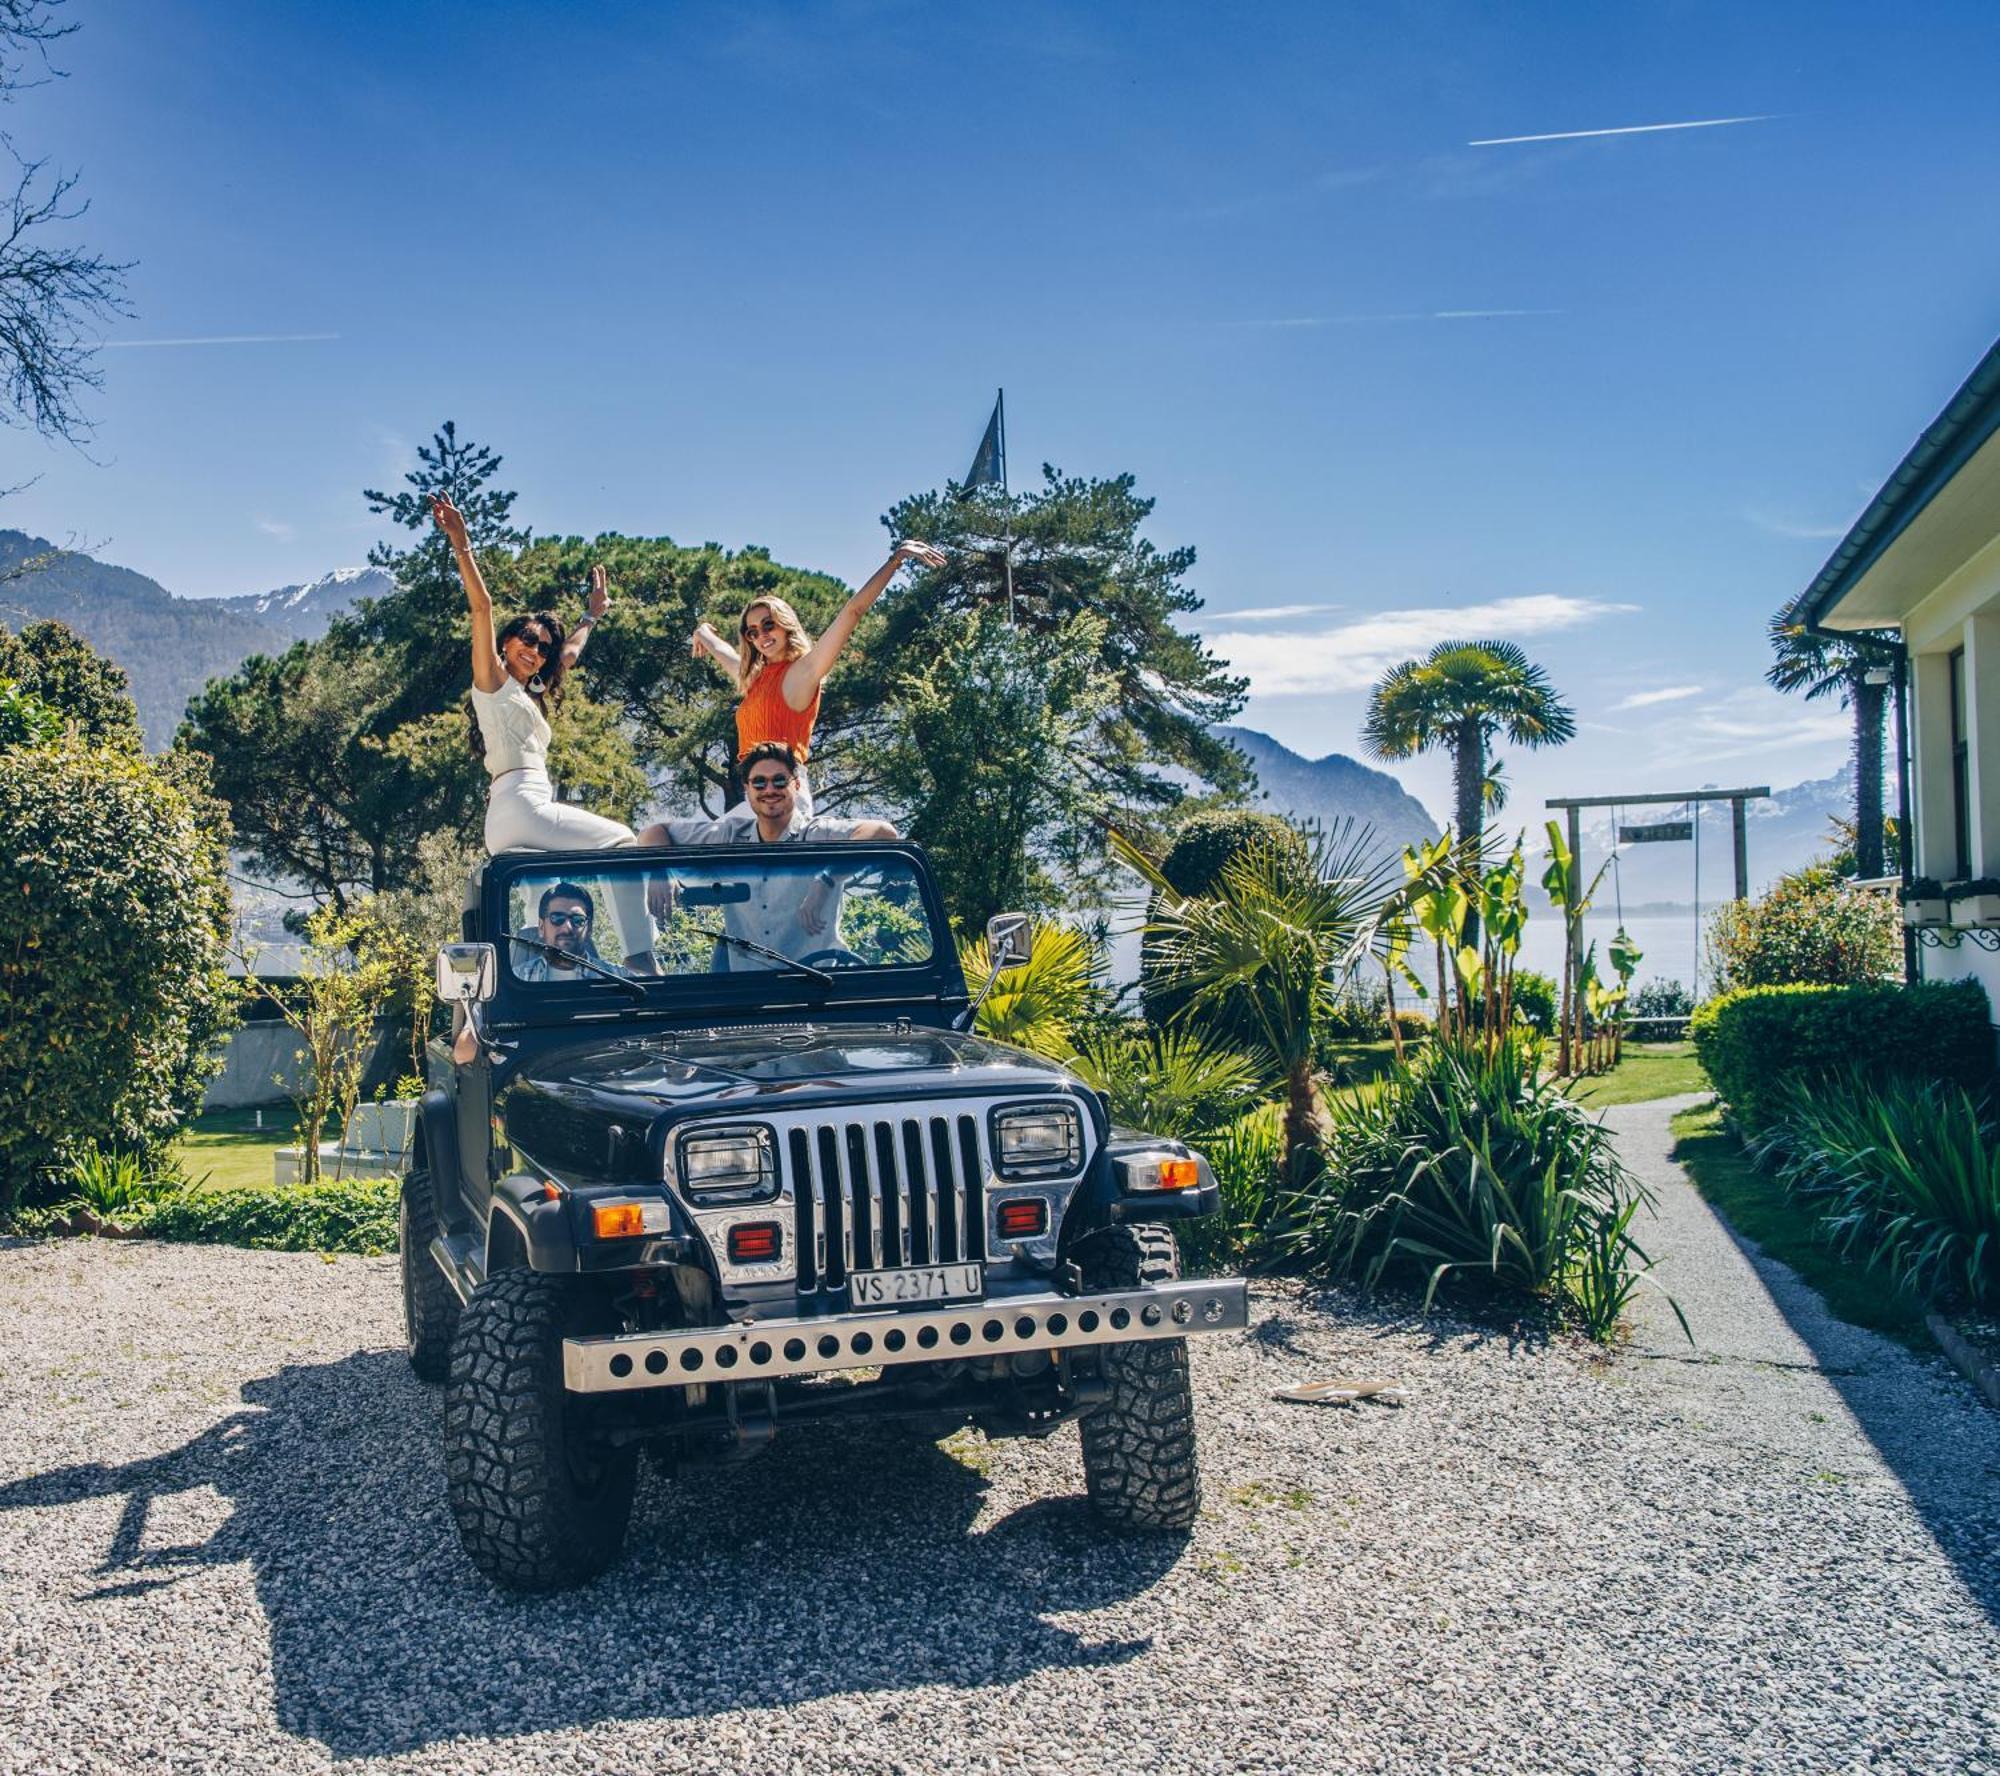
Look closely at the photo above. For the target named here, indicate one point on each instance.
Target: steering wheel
(839, 956)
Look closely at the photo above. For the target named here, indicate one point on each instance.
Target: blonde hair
(749, 662)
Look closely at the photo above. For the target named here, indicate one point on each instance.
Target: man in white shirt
(791, 911)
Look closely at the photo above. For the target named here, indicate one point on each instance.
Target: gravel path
(223, 1547)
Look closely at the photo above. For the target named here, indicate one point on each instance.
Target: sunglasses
(542, 644)
(769, 626)
(769, 782)
(579, 920)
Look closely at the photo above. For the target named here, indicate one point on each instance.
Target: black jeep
(761, 1174)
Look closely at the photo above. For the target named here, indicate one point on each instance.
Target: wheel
(1138, 1447)
(430, 1304)
(539, 1504)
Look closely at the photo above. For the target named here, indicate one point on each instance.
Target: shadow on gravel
(837, 1562)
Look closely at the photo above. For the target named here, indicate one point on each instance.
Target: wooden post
(1573, 962)
(1741, 835)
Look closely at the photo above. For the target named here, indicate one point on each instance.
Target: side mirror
(465, 973)
(1009, 939)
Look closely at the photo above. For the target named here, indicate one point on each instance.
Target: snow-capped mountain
(302, 612)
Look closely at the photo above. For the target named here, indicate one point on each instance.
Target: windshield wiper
(590, 962)
(756, 949)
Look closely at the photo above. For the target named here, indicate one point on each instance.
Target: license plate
(926, 1282)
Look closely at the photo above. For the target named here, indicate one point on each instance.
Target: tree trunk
(1870, 704)
(1302, 1117)
(1468, 768)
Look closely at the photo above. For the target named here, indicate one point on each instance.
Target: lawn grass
(229, 1149)
(1646, 1070)
(1757, 1207)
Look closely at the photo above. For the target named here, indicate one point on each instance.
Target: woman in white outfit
(516, 681)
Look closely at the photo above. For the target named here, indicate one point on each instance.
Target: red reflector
(1024, 1217)
(755, 1242)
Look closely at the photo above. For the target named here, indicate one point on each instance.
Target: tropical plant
(1039, 1005)
(1468, 1162)
(1176, 1082)
(1273, 944)
(1821, 666)
(1809, 929)
(110, 1183)
(1462, 696)
(1904, 1172)
(1248, 1161)
(1563, 882)
(113, 997)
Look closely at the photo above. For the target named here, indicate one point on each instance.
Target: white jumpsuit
(523, 814)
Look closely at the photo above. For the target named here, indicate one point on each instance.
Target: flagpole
(1000, 406)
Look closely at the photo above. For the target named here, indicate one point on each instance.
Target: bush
(1809, 929)
(112, 992)
(1204, 845)
(1905, 1173)
(350, 1215)
(1535, 1000)
(1471, 1163)
(1753, 1042)
(1661, 999)
(1246, 1159)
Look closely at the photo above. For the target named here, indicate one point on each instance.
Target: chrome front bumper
(770, 1350)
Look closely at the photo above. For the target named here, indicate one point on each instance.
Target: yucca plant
(1469, 1162)
(1039, 1005)
(109, 1183)
(1905, 1174)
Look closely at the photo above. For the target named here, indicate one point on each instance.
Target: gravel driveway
(223, 1546)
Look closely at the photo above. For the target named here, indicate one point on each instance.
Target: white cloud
(1787, 527)
(1270, 613)
(1630, 129)
(277, 528)
(1352, 656)
(1668, 694)
(1753, 722)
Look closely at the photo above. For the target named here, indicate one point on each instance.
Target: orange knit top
(765, 715)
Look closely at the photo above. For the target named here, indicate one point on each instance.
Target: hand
(662, 897)
(600, 596)
(702, 641)
(924, 554)
(451, 521)
(812, 909)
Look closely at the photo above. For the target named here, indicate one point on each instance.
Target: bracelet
(584, 621)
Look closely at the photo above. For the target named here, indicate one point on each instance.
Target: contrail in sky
(221, 339)
(1631, 129)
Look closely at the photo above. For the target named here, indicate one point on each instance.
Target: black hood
(741, 1068)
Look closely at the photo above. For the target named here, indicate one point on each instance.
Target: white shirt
(773, 915)
(516, 732)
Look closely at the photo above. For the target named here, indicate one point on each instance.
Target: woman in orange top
(779, 667)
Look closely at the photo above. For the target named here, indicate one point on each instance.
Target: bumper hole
(726, 1357)
(1120, 1319)
(961, 1333)
(829, 1346)
(690, 1358)
(760, 1352)
(893, 1340)
(1087, 1320)
(1024, 1327)
(1059, 1324)
(992, 1331)
(1150, 1313)
(621, 1365)
(861, 1344)
(927, 1337)
(795, 1350)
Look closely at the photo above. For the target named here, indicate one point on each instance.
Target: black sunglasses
(579, 920)
(769, 782)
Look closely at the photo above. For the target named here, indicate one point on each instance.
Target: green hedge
(1755, 1039)
(352, 1215)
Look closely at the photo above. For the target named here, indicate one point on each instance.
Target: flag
(989, 465)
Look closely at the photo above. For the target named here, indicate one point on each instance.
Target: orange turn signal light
(1179, 1174)
(618, 1220)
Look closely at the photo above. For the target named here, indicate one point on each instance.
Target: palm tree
(1821, 666)
(1264, 952)
(1462, 695)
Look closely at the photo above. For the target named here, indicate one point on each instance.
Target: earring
(535, 685)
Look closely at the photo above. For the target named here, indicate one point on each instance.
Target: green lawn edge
(1756, 1206)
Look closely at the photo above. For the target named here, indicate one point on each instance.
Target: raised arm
(600, 602)
(704, 640)
(806, 674)
(487, 672)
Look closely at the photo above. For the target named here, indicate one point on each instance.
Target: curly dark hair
(549, 698)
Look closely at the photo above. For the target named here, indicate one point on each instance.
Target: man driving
(794, 911)
(566, 914)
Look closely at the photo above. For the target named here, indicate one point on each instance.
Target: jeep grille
(873, 1193)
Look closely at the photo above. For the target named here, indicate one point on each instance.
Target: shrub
(1246, 1158)
(1905, 1172)
(348, 1215)
(1204, 845)
(112, 992)
(1468, 1161)
(1809, 929)
(1535, 999)
(1661, 999)
(1754, 1041)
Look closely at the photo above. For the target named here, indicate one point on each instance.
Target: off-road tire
(538, 1507)
(1138, 1447)
(430, 1304)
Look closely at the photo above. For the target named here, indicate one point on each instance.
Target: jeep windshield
(624, 918)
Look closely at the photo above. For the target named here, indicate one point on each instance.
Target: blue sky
(749, 273)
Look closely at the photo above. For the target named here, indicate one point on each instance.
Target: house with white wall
(1922, 565)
